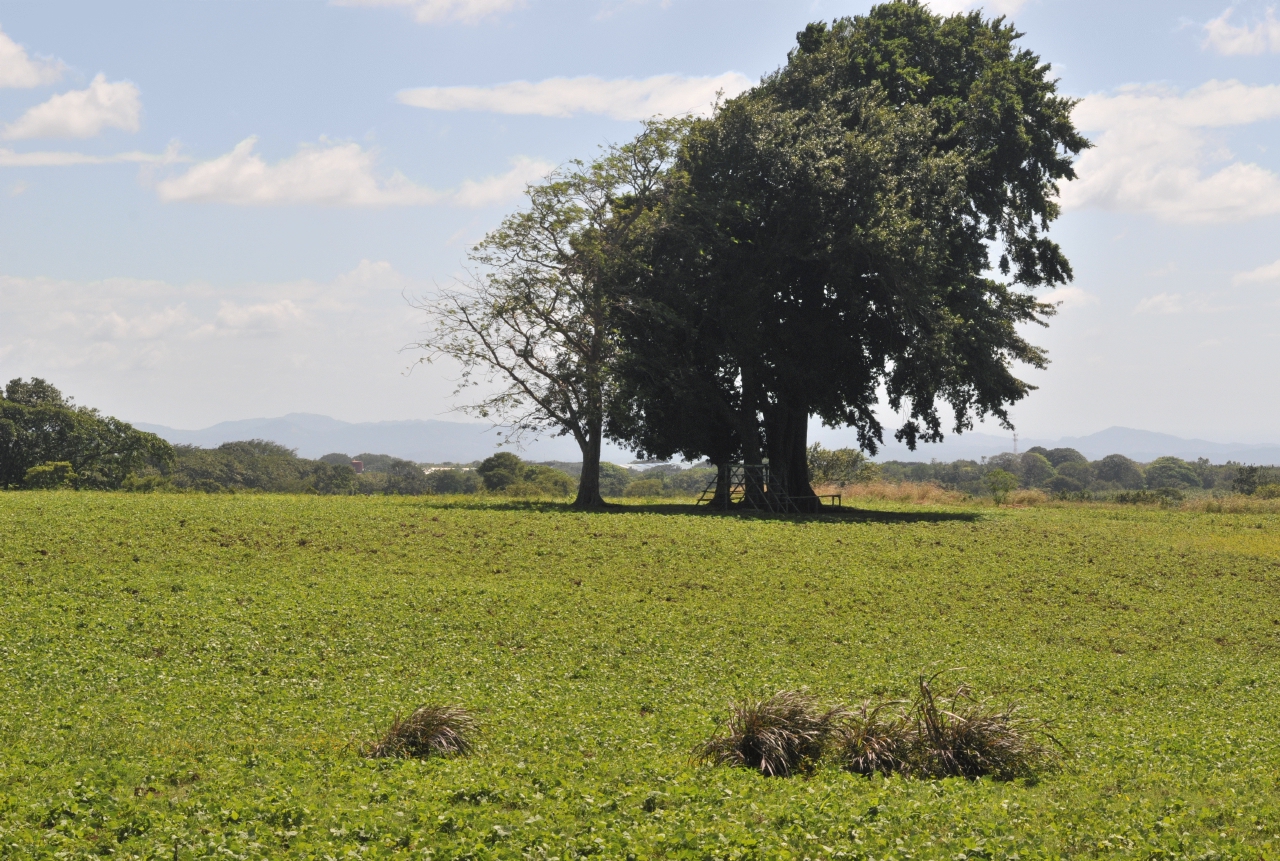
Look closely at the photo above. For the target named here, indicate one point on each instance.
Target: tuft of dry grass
(887, 491)
(955, 736)
(967, 737)
(873, 739)
(776, 736)
(429, 731)
(1234, 504)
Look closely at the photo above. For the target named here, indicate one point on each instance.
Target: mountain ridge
(437, 441)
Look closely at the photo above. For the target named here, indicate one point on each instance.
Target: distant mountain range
(435, 441)
(1140, 445)
(427, 441)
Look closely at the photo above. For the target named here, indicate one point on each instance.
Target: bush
(646, 487)
(840, 467)
(454, 481)
(614, 479)
(429, 731)
(1001, 483)
(776, 736)
(1268, 491)
(50, 476)
(1163, 496)
(960, 736)
(1172, 473)
(1120, 470)
(501, 470)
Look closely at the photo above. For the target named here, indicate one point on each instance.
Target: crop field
(188, 676)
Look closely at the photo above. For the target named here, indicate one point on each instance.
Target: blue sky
(215, 210)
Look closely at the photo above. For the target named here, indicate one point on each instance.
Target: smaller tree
(537, 326)
(1118, 469)
(1001, 484)
(1173, 473)
(1246, 480)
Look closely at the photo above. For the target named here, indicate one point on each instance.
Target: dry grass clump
(874, 739)
(777, 736)
(956, 736)
(887, 491)
(1028, 497)
(429, 731)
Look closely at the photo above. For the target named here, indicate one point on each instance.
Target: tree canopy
(828, 235)
(39, 427)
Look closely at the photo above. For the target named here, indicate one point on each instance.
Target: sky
(226, 209)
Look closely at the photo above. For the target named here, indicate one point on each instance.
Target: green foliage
(198, 671)
(1120, 471)
(1001, 484)
(1171, 472)
(49, 476)
(614, 479)
(454, 481)
(508, 474)
(501, 470)
(256, 465)
(868, 175)
(843, 466)
(38, 426)
(1268, 491)
(1246, 479)
(645, 487)
(337, 458)
(1036, 470)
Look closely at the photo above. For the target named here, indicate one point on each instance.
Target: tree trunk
(589, 481)
(788, 441)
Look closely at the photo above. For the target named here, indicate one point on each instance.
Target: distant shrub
(776, 736)
(1246, 480)
(1163, 496)
(454, 481)
(50, 476)
(839, 467)
(645, 487)
(1171, 473)
(1268, 491)
(507, 474)
(614, 479)
(1120, 470)
(1001, 483)
(429, 731)
(501, 470)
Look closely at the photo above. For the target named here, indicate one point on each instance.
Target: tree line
(818, 244)
(1061, 471)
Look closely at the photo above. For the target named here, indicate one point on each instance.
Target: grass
(777, 736)
(428, 731)
(182, 676)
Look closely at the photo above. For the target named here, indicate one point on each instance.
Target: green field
(191, 676)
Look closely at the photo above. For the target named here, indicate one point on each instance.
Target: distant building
(358, 466)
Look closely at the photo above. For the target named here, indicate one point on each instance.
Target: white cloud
(1070, 297)
(9, 158)
(329, 175)
(436, 11)
(506, 186)
(1226, 38)
(262, 317)
(1261, 275)
(996, 7)
(17, 70)
(621, 99)
(1162, 303)
(255, 348)
(1154, 153)
(81, 113)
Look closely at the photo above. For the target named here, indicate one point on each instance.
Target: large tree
(536, 328)
(828, 235)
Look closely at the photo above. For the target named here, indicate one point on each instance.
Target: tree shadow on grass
(848, 514)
